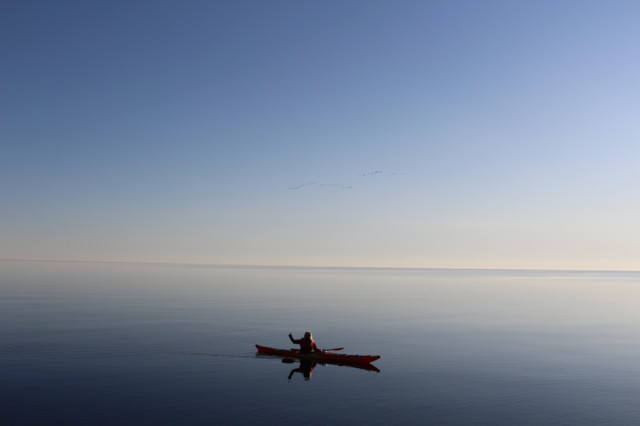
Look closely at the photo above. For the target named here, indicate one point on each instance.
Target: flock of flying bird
(340, 185)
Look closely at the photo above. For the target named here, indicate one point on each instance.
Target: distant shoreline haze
(338, 267)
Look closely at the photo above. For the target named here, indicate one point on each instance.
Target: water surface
(84, 343)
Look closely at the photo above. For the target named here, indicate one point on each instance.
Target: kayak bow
(319, 356)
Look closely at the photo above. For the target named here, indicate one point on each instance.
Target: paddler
(307, 345)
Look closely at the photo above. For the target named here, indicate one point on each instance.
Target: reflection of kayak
(319, 356)
(309, 365)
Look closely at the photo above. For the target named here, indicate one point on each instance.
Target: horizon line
(356, 267)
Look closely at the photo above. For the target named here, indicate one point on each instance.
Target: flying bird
(330, 185)
(340, 185)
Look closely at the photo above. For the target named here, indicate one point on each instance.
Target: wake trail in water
(213, 355)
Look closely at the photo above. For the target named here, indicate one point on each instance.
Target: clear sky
(507, 133)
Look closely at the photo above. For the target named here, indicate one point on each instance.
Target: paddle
(324, 350)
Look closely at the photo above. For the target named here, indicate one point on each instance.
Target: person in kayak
(307, 345)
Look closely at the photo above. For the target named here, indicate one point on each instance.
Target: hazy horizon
(337, 267)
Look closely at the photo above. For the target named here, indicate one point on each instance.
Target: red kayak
(319, 356)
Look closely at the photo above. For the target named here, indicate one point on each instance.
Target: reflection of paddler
(306, 368)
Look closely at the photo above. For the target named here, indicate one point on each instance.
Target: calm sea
(115, 344)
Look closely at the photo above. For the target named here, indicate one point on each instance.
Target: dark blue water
(110, 344)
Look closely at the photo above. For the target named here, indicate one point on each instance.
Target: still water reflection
(135, 344)
(305, 367)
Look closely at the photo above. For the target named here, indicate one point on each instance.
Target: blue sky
(167, 131)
